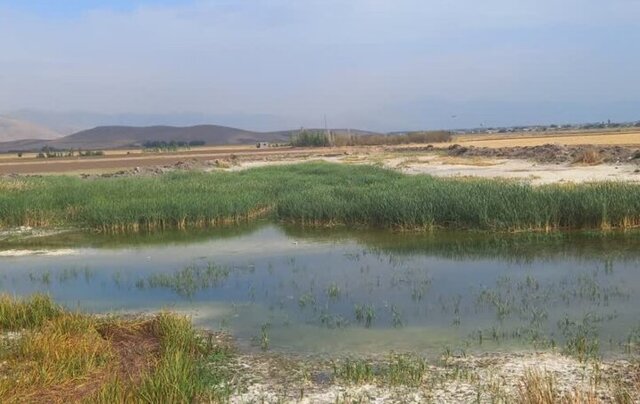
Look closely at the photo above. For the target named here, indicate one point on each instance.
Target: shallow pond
(341, 291)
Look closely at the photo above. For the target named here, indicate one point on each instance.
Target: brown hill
(15, 129)
(108, 137)
(116, 137)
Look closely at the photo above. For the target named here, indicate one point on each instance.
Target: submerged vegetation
(315, 194)
(61, 356)
(188, 280)
(585, 314)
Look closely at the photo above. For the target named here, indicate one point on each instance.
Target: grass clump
(66, 349)
(354, 371)
(540, 387)
(588, 157)
(318, 194)
(180, 371)
(62, 356)
(406, 370)
(190, 279)
(176, 375)
(581, 337)
(398, 370)
(17, 314)
(537, 387)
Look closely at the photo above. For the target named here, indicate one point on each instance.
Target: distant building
(262, 145)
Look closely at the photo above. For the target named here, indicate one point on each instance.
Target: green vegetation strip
(315, 194)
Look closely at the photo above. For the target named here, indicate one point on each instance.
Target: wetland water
(360, 292)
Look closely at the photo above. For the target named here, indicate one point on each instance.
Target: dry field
(119, 159)
(628, 138)
(115, 160)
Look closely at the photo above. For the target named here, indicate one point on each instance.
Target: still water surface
(340, 291)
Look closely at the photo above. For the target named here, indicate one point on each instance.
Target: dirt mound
(136, 346)
(182, 165)
(552, 153)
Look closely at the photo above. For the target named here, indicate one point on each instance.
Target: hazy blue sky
(394, 64)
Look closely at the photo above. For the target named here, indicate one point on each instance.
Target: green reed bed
(316, 194)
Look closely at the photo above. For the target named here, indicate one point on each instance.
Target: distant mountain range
(115, 137)
(12, 129)
(69, 122)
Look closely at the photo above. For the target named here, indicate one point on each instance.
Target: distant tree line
(172, 145)
(51, 152)
(319, 138)
(312, 138)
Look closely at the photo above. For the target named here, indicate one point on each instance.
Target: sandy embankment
(26, 233)
(48, 253)
(524, 170)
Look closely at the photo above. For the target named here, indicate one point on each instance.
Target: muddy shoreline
(400, 378)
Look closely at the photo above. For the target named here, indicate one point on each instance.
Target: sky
(371, 64)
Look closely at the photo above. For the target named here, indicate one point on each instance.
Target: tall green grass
(316, 194)
(179, 375)
(17, 314)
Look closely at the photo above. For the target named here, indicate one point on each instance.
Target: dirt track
(109, 163)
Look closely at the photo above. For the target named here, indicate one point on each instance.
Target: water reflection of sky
(312, 289)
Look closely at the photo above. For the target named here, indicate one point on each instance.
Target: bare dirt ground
(621, 138)
(111, 162)
(523, 170)
(538, 159)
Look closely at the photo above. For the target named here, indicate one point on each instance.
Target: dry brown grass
(540, 387)
(589, 158)
(62, 358)
(13, 185)
(467, 161)
(55, 356)
(222, 163)
(72, 357)
(537, 387)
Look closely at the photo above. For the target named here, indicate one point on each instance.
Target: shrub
(588, 157)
